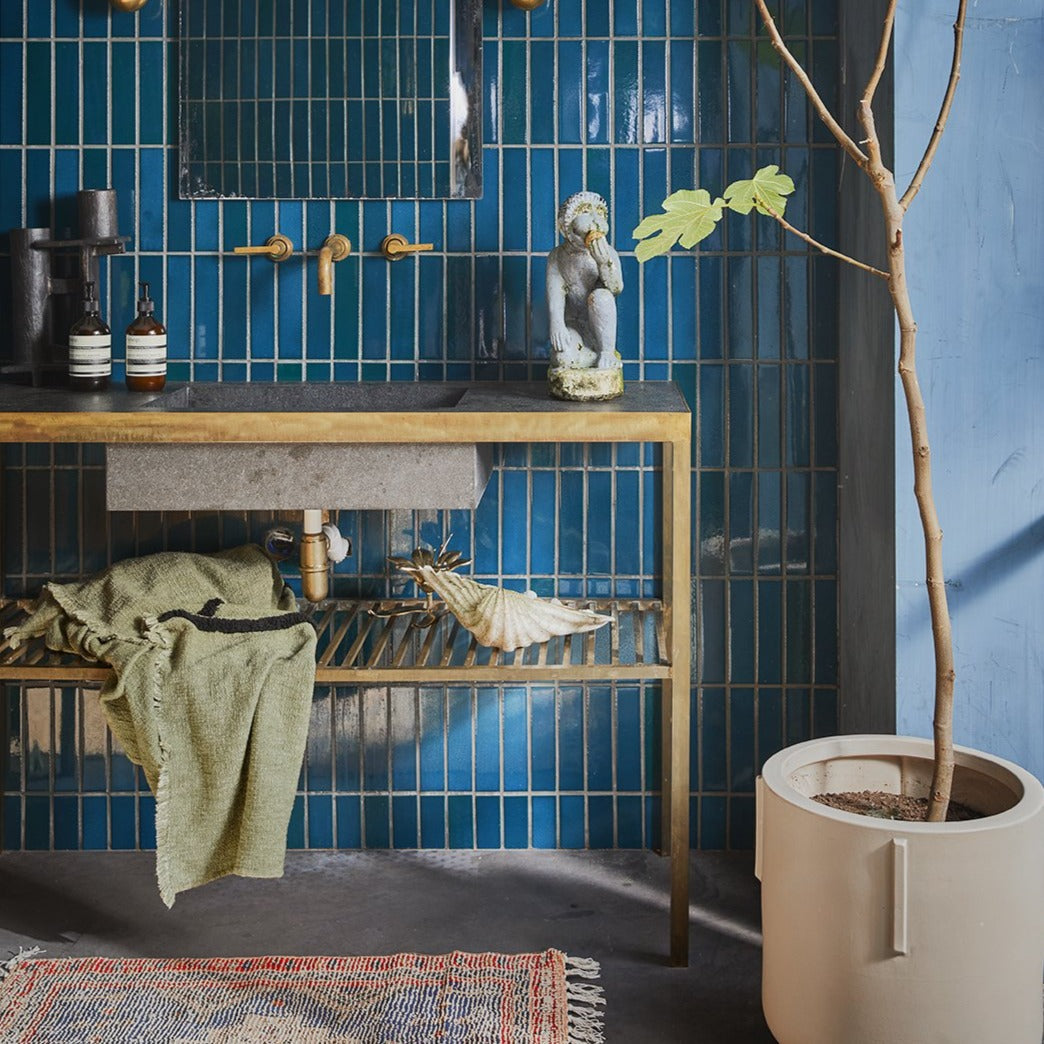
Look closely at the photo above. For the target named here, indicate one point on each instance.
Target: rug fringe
(584, 1001)
(8, 966)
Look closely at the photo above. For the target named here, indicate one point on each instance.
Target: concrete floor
(611, 906)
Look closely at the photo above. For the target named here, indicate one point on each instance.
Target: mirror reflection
(298, 99)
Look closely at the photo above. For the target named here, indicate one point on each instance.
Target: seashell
(505, 619)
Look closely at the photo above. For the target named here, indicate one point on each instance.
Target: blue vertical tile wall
(632, 100)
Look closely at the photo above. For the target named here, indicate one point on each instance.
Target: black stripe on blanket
(205, 620)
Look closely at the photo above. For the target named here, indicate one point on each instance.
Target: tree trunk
(942, 778)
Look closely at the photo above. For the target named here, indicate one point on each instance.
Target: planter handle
(759, 824)
(900, 879)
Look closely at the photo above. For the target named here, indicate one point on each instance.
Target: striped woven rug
(407, 998)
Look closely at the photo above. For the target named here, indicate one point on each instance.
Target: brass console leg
(675, 759)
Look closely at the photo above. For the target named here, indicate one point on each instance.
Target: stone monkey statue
(583, 281)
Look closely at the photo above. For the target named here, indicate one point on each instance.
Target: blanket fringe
(584, 1001)
(8, 966)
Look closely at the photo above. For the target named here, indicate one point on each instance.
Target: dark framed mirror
(330, 99)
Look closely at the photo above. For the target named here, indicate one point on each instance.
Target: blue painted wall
(631, 100)
(975, 243)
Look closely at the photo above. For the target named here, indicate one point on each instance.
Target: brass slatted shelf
(385, 641)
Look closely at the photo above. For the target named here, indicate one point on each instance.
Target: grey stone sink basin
(375, 397)
(276, 476)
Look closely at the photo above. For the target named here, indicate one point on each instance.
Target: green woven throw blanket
(210, 693)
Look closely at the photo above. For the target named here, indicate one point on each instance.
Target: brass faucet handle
(396, 246)
(340, 246)
(276, 248)
(335, 248)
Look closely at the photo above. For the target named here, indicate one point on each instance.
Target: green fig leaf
(765, 192)
(690, 215)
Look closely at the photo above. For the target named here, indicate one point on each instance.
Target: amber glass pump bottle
(146, 348)
(90, 347)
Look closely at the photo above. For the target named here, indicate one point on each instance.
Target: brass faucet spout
(325, 271)
(335, 248)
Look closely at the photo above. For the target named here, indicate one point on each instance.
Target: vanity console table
(649, 639)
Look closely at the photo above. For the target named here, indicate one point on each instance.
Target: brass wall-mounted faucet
(335, 248)
(278, 248)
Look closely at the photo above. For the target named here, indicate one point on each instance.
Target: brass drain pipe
(315, 562)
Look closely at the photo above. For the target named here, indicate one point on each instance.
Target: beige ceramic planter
(877, 932)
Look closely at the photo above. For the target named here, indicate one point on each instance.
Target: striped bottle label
(146, 355)
(90, 355)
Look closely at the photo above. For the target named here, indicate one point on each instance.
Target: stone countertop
(316, 397)
(341, 412)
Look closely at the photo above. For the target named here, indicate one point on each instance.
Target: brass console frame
(649, 412)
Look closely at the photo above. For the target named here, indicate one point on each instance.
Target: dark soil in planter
(880, 805)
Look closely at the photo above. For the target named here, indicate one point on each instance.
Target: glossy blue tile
(487, 822)
(796, 417)
(824, 522)
(629, 822)
(600, 821)
(377, 828)
(628, 746)
(654, 92)
(682, 19)
(95, 824)
(825, 624)
(571, 821)
(545, 825)
(598, 85)
(458, 740)
(513, 97)
(711, 620)
(349, 821)
(570, 538)
(570, 738)
(320, 821)
(711, 504)
(432, 822)
(461, 825)
(122, 816)
(12, 24)
(599, 535)
(600, 738)
(627, 112)
(652, 495)
(770, 724)
(825, 75)
(797, 716)
(682, 110)
(824, 432)
(12, 83)
(37, 825)
(12, 820)
(405, 830)
(146, 823)
(38, 93)
(487, 740)
(713, 740)
(627, 548)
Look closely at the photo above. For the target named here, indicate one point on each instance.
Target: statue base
(585, 385)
